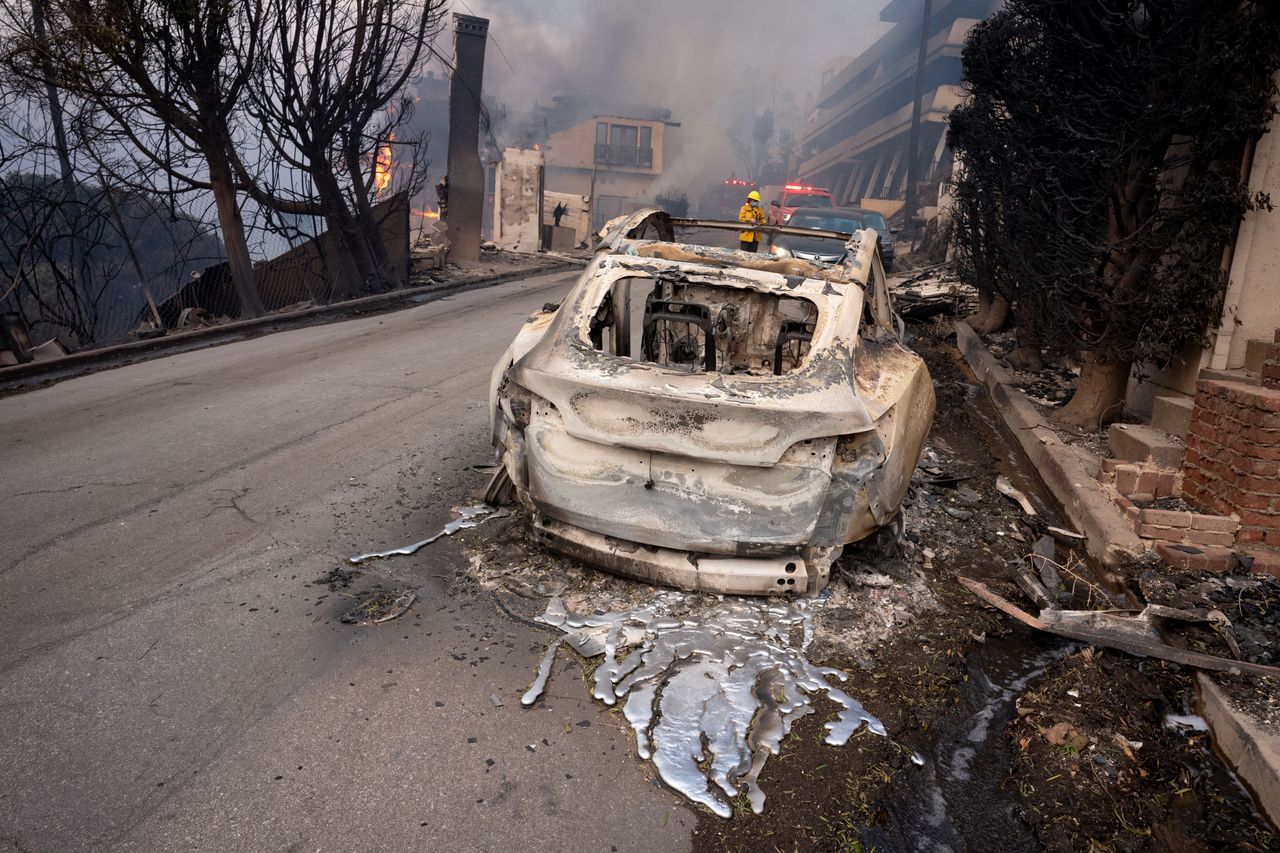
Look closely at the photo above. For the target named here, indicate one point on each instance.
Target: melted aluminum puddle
(468, 516)
(711, 698)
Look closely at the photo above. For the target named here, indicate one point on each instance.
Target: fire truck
(782, 200)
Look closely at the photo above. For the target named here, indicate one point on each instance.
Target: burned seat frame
(673, 311)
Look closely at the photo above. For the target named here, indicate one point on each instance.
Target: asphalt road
(169, 680)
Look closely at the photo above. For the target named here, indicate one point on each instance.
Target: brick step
(1141, 443)
(1264, 561)
(1172, 413)
(1245, 376)
(1214, 558)
(1198, 558)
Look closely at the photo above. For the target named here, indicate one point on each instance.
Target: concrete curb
(1070, 473)
(20, 376)
(1254, 753)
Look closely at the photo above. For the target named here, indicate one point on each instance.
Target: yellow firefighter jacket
(754, 215)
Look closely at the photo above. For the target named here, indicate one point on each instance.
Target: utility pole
(70, 190)
(51, 92)
(913, 137)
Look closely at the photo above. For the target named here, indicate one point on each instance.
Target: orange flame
(382, 168)
(426, 213)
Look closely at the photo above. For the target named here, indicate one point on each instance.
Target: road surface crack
(66, 489)
(234, 504)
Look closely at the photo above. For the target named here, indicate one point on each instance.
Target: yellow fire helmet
(753, 195)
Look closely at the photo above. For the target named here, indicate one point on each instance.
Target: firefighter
(753, 213)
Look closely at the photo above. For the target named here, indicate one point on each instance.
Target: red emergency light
(798, 187)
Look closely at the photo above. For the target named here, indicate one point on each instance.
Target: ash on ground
(868, 598)
(1251, 604)
(1049, 388)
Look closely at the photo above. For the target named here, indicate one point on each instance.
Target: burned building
(616, 160)
(857, 140)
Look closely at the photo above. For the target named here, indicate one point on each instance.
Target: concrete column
(517, 200)
(849, 196)
(1251, 309)
(466, 174)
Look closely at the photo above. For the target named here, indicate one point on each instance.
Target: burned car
(710, 419)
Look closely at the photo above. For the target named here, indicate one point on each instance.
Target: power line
(501, 52)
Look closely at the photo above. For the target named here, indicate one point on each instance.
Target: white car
(710, 419)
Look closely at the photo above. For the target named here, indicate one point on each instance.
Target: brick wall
(1233, 457)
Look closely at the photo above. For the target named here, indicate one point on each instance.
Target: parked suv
(874, 220)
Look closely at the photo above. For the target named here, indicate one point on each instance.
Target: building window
(623, 136)
(627, 145)
(602, 133)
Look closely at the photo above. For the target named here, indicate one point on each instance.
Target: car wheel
(500, 491)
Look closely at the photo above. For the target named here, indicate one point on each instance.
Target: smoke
(716, 64)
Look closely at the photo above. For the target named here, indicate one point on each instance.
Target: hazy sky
(706, 60)
(679, 48)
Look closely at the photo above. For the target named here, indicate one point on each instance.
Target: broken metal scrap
(469, 516)
(1133, 634)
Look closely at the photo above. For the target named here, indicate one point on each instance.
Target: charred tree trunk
(1099, 395)
(1104, 375)
(369, 227)
(357, 268)
(232, 226)
(1026, 354)
(996, 317)
(977, 318)
(51, 94)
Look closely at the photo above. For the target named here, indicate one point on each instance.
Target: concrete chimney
(466, 175)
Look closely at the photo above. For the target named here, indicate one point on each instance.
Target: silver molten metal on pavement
(726, 685)
(468, 516)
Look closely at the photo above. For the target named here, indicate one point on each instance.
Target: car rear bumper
(804, 570)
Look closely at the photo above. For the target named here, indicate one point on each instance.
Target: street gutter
(1254, 753)
(23, 377)
(1070, 473)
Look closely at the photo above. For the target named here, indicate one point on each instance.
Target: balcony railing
(624, 155)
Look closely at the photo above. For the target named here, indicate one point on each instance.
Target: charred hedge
(1101, 152)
